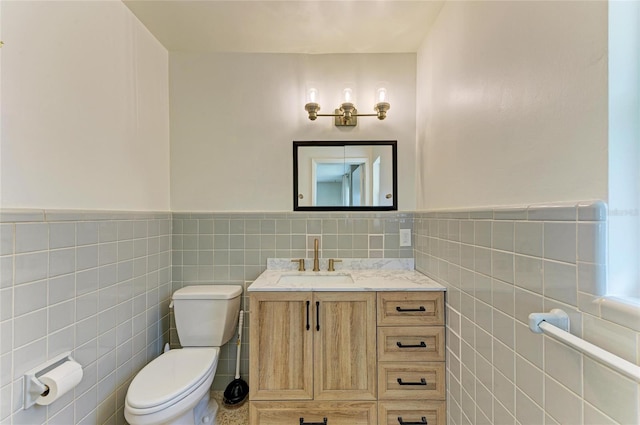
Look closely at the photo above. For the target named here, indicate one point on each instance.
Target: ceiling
(288, 26)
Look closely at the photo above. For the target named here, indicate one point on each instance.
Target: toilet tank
(206, 315)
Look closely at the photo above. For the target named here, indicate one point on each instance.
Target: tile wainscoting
(100, 282)
(499, 265)
(94, 283)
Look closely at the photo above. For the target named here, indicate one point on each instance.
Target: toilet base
(205, 412)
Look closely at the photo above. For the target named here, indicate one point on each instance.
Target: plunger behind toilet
(236, 392)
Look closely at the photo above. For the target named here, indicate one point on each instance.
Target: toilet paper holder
(33, 388)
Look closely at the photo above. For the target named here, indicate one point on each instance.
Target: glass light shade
(382, 95)
(347, 95)
(312, 95)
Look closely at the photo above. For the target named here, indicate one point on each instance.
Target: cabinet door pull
(324, 422)
(317, 315)
(403, 310)
(421, 345)
(308, 326)
(422, 382)
(422, 422)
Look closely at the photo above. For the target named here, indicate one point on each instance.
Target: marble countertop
(367, 275)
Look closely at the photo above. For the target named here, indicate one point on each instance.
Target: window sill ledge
(624, 311)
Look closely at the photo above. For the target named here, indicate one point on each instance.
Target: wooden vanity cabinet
(411, 358)
(318, 346)
(339, 355)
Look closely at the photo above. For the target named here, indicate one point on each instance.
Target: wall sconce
(347, 114)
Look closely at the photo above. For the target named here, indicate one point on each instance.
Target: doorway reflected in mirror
(345, 175)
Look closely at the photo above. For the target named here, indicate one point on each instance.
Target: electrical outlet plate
(405, 237)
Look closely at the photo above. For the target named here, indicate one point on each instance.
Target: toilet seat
(170, 378)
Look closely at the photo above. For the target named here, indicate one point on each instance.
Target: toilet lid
(170, 375)
(208, 292)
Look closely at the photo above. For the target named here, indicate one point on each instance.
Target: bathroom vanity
(354, 346)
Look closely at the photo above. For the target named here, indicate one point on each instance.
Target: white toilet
(174, 387)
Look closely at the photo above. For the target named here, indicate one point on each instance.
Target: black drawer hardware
(324, 422)
(422, 422)
(421, 345)
(308, 302)
(402, 310)
(317, 315)
(422, 382)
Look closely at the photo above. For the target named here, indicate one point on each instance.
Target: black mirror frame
(394, 151)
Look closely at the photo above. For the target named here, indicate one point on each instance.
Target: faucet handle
(300, 262)
(332, 262)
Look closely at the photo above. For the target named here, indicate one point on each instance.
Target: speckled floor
(230, 416)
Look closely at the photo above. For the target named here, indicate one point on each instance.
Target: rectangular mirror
(345, 176)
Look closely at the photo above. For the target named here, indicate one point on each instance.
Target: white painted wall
(512, 104)
(85, 108)
(234, 118)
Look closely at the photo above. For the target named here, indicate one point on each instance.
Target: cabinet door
(345, 346)
(281, 349)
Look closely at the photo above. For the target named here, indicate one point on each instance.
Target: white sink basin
(315, 279)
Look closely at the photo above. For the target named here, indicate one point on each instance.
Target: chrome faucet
(316, 262)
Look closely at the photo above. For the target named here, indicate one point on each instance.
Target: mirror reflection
(345, 175)
(340, 184)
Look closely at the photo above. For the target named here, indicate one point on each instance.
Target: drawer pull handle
(422, 422)
(404, 310)
(422, 382)
(324, 422)
(317, 315)
(308, 302)
(421, 345)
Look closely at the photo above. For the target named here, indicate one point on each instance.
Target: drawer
(291, 412)
(412, 412)
(424, 380)
(410, 308)
(411, 344)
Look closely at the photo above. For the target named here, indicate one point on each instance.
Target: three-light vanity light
(347, 114)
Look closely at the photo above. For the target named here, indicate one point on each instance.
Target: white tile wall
(501, 265)
(96, 284)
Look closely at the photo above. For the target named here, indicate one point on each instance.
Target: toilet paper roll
(60, 380)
